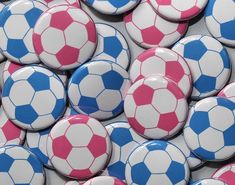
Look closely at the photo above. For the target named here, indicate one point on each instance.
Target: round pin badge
(124, 140)
(210, 127)
(193, 161)
(98, 89)
(36, 142)
(112, 7)
(219, 17)
(73, 183)
(10, 134)
(111, 46)
(25, 98)
(162, 61)
(155, 107)
(51, 3)
(21, 16)
(226, 174)
(141, 30)
(79, 147)
(107, 180)
(210, 65)
(209, 182)
(228, 92)
(16, 160)
(64, 45)
(157, 161)
(2, 57)
(178, 10)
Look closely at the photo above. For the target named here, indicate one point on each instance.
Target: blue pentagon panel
(36, 142)
(115, 50)
(21, 17)
(90, 104)
(18, 160)
(199, 117)
(205, 84)
(228, 134)
(142, 169)
(17, 48)
(25, 114)
(110, 77)
(6, 162)
(98, 89)
(191, 47)
(79, 74)
(111, 46)
(112, 7)
(209, 64)
(4, 16)
(35, 99)
(209, 131)
(176, 172)
(59, 108)
(32, 16)
(219, 17)
(117, 170)
(226, 30)
(121, 136)
(225, 57)
(142, 164)
(35, 163)
(43, 78)
(7, 87)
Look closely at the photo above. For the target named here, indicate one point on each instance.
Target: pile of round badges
(64, 74)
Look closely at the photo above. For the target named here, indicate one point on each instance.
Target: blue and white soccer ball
(208, 61)
(98, 89)
(111, 46)
(209, 135)
(124, 140)
(113, 7)
(19, 166)
(219, 18)
(157, 161)
(36, 142)
(34, 98)
(17, 21)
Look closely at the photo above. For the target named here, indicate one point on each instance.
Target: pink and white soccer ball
(164, 62)
(51, 3)
(64, 44)
(79, 147)
(104, 180)
(9, 133)
(141, 29)
(155, 107)
(178, 10)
